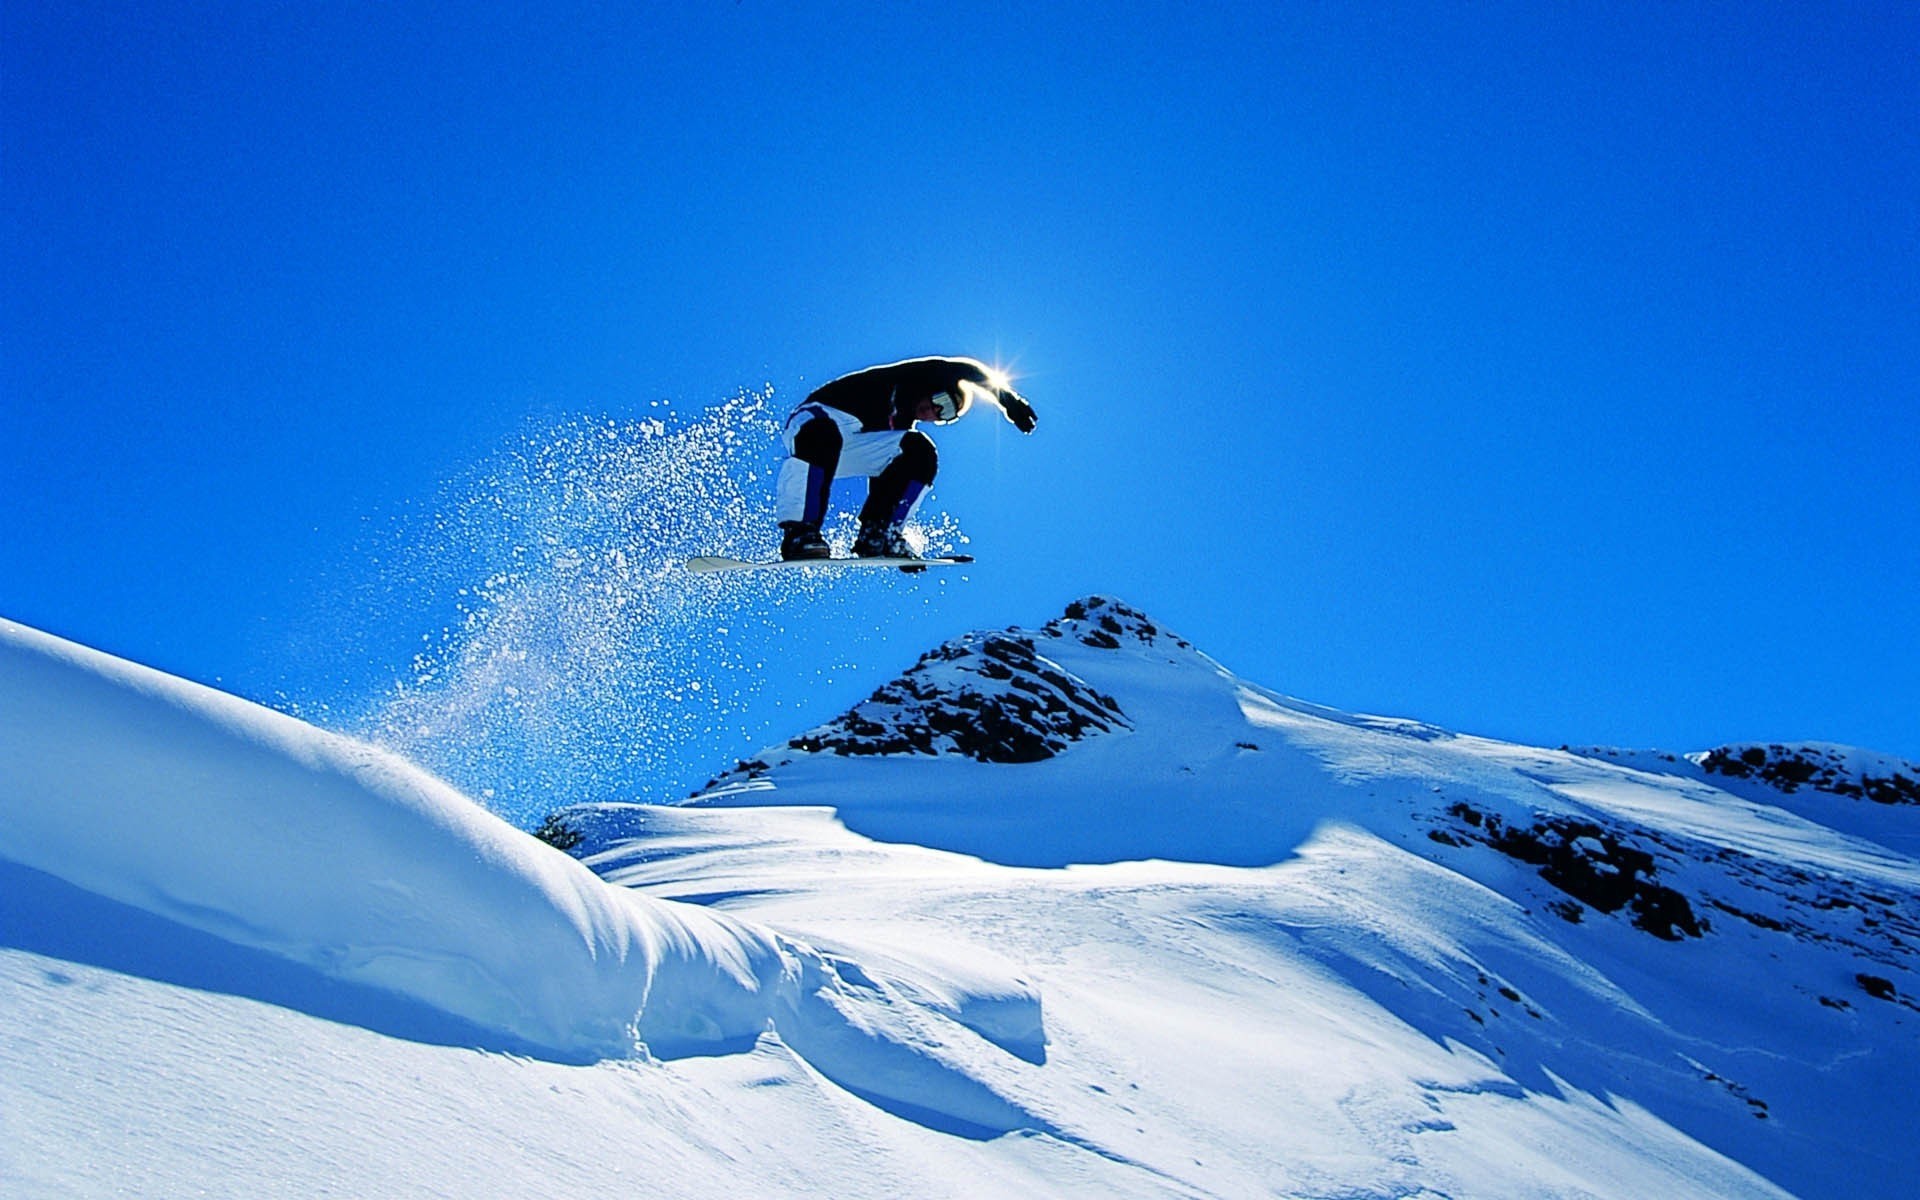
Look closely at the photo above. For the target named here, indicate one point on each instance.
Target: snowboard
(707, 564)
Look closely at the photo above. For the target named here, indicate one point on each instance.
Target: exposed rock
(1105, 624)
(1876, 986)
(1821, 768)
(992, 697)
(1589, 863)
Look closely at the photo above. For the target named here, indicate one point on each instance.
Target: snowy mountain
(1070, 910)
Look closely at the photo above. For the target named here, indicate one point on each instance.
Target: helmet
(950, 406)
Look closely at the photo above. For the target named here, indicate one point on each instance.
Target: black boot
(882, 541)
(803, 541)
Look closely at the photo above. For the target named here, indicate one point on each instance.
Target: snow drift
(251, 826)
(264, 832)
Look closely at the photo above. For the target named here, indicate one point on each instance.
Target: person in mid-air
(864, 424)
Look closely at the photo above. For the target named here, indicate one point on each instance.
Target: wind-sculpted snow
(248, 825)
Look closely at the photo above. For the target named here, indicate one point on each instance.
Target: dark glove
(1018, 410)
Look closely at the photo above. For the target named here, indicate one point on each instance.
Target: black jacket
(887, 397)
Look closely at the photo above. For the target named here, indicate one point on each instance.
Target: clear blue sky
(1544, 371)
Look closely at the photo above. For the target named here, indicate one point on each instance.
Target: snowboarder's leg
(895, 490)
(892, 495)
(814, 440)
(806, 481)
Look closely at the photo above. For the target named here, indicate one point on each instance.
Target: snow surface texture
(1063, 911)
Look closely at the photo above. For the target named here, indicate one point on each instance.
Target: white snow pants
(800, 491)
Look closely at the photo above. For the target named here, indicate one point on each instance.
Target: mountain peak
(995, 696)
(1107, 624)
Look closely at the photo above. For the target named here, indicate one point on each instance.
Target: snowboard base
(708, 564)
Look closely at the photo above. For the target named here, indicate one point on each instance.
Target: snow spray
(574, 659)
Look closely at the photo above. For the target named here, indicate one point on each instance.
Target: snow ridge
(268, 833)
(993, 697)
(1821, 766)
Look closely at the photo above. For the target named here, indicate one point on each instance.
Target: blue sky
(1545, 371)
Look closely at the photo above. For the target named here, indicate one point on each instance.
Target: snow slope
(266, 833)
(1063, 911)
(244, 830)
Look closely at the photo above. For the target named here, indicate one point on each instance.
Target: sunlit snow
(1218, 942)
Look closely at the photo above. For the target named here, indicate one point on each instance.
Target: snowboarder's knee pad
(918, 456)
(817, 441)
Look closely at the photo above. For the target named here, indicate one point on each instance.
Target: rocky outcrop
(992, 697)
(1594, 866)
(1836, 770)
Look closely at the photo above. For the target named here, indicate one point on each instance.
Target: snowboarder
(864, 424)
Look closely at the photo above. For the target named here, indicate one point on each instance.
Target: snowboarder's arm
(1012, 403)
(888, 396)
(1017, 409)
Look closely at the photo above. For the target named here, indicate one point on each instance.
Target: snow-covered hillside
(1061, 911)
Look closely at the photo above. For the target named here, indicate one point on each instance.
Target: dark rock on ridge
(1788, 768)
(993, 697)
